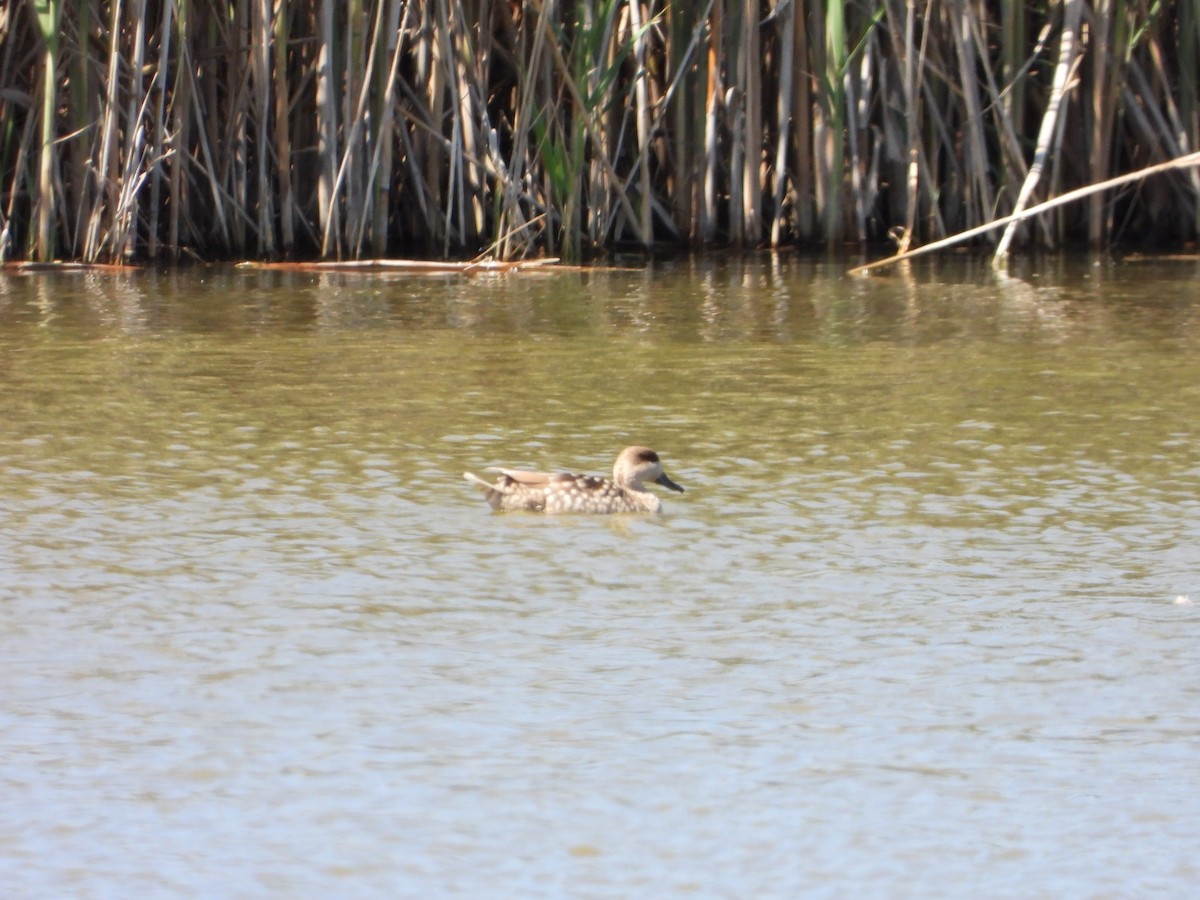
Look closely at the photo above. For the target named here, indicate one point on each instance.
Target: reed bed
(280, 129)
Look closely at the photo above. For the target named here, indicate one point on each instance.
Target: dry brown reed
(346, 130)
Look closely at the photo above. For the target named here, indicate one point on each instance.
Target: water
(922, 625)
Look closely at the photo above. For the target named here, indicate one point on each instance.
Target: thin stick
(1191, 160)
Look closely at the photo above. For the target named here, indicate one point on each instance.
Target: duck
(562, 492)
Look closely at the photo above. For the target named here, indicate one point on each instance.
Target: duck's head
(637, 465)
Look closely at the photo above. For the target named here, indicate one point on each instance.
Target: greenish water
(921, 624)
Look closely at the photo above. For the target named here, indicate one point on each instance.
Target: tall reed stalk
(298, 128)
(48, 16)
(831, 58)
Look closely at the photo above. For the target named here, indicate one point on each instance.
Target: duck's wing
(523, 477)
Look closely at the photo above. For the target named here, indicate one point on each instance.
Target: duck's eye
(648, 456)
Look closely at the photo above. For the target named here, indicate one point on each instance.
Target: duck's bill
(668, 483)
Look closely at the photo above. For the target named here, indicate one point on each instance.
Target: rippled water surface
(922, 625)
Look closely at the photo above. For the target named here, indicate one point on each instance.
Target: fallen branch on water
(415, 266)
(1190, 160)
(29, 267)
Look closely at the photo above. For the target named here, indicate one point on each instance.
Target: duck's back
(562, 493)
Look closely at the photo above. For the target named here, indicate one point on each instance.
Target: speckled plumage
(562, 492)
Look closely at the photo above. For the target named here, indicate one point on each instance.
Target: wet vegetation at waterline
(341, 130)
